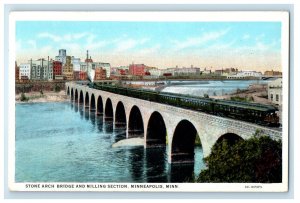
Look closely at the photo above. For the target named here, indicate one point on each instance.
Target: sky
(214, 45)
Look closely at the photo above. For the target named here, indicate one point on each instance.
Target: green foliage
(205, 96)
(57, 88)
(23, 97)
(197, 141)
(41, 91)
(256, 160)
(244, 99)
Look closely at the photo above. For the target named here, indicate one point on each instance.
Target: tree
(256, 160)
(57, 88)
(23, 97)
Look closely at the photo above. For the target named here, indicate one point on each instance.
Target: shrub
(257, 160)
(23, 97)
(57, 88)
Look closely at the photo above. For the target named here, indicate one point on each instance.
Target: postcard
(148, 101)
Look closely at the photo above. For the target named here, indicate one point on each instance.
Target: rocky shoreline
(47, 96)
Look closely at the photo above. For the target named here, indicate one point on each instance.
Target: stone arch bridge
(161, 124)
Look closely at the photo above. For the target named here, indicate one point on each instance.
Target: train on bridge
(250, 112)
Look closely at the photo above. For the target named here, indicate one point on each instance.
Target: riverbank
(46, 96)
(257, 93)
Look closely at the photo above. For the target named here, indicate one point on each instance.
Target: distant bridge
(161, 124)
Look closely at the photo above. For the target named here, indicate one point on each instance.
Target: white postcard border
(170, 16)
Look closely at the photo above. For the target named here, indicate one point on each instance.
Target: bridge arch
(81, 97)
(99, 105)
(76, 95)
(156, 131)
(68, 91)
(183, 142)
(93, 103)
(108, 113)
(135, 124)
(120, 115)
(87, 100)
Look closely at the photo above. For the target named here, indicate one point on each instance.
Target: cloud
(197, 41)
(127, 44)
(67, 37)
(53, 37)
(149, 50)
(245, 37)
(32, 44)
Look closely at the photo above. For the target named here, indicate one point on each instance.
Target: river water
(211, 87)
(60, 142)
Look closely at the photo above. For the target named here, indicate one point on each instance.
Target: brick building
(137, 69)
(68, 69)
(57, 68)
(82, 75)
(100, 74)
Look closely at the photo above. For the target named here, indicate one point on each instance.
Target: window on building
(277, 97)
(271, 97)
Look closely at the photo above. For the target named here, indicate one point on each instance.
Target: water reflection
(76, 107)
(156, 160)
(136, 161)
(93, 118)
(108, 127)
(179, 173)
(86, 114)
(81, 111)
(120, 134)
(99, 121)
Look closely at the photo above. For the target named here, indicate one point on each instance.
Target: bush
(205, 96)
(23, 97)
(57, 88)
(257, 160)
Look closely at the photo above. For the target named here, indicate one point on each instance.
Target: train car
(250, 112)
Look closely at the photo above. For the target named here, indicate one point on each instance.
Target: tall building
(68, 69)
(76, 63)
(137, 69)
(62, 55)
(24, 71)
(57, 69)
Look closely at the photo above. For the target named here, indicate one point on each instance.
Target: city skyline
(246, 45)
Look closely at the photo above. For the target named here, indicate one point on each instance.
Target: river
(60, 142)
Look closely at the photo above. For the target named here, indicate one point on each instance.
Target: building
(82, 75)
(245, 74)
(25, 70)
(273, 73)
(275, 91)
(48, 71)
(67, 70)
(100, 74)
(206, 71)
(62, 55)
(76, 75)
(137, 69)
(186, 71)
(76, 63)
(57, 69)
(104, 66)
(17, 72)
